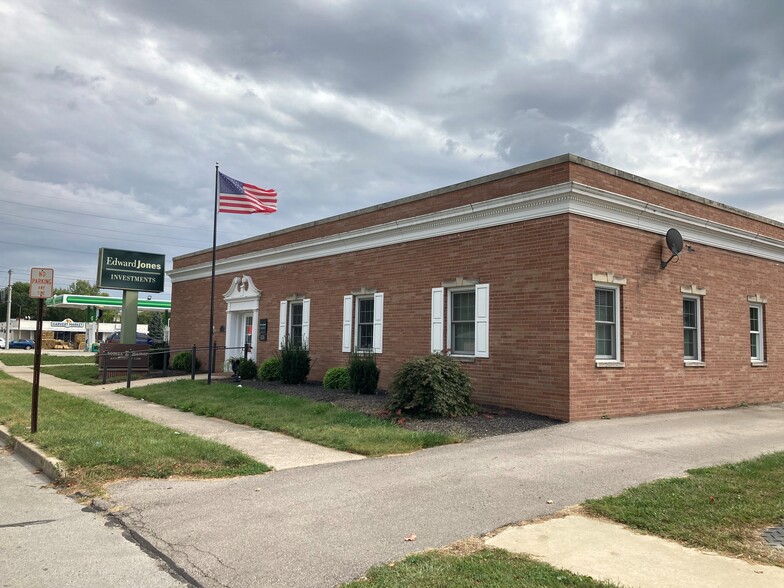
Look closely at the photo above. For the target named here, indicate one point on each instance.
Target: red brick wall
(541, 302)
(525, 265)
(654, 378)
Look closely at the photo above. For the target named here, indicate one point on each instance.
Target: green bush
(294, 363)
(270, 370)
(363, 373)
(157, 354)
(248, 369)
(337, 379)
(182, 362)
(431, 385)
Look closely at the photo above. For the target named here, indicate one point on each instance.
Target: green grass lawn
(318, 422)
(46, 359)
(83, 374)
(488, 568)
(99, 444)
(723, 508)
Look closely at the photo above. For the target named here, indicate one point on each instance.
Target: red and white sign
(41, 282)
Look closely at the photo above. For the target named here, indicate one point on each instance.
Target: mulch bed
(487, 422)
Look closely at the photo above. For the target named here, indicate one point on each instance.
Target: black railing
(135, 363)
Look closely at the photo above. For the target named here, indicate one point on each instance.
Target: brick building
(544, 280)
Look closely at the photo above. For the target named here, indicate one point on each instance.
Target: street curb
(52, 468)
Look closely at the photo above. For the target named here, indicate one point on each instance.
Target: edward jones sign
(130, 270)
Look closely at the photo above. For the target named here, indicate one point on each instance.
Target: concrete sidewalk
(274, 449)
(336, 528)
(614, 553)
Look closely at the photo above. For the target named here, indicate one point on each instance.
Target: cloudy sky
(114, 112)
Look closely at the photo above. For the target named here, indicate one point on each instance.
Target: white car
(2, 343)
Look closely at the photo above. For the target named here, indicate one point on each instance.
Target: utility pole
(8, 313)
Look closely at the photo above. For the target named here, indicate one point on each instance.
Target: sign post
(41, 287)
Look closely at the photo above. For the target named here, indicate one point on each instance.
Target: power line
(125, 220)
(41, 220)
(102, 236)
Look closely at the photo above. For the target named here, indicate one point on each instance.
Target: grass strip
(318, 422)
(489, 568)
(84, 374)
(99, 444)
(722, 508)
(17, 359)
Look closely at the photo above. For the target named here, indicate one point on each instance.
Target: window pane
(365, 311)
(295, 327)
(605, 305)
(604, 340)
(754, 318)
(463, 337)
(754, 346)
(690, 314)
(463, 306)
(365, 336)
(690, 343)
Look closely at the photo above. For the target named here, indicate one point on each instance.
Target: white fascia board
(569, 197)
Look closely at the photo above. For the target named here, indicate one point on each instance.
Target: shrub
(294, 363)
(337, 379)
(270, 370)
(157, 354)
(432, 385)
(248, 369)
(363, 373)
(182, 362)
(155, 327)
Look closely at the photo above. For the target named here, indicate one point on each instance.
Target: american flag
(240, 198)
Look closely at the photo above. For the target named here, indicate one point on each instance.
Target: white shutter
(482, 321)
(282, 324)
(348, 303)
(306, 322)
(378, 321)
(437, 321)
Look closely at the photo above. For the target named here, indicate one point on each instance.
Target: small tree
(155, 327)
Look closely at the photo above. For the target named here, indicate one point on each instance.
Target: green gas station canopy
(80, 301)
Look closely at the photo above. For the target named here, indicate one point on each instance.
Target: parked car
(2, 343)
(22, 344)
(141, 339)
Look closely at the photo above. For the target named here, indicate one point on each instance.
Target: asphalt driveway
(322, 525)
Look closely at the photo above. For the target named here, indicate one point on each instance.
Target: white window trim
(697, 361)
(350, 336)
(760, 359)
(615, 359)
(441, 298)
(284, 323)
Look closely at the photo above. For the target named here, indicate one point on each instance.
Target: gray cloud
(343, 104)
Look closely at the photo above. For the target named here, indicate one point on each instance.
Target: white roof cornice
(566, 198)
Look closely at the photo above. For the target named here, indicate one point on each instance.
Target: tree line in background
(23, 306)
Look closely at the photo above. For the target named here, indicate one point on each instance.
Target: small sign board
(41, 282)
(262, 329)
(130, 270)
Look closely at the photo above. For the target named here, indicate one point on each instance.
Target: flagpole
(212, 278)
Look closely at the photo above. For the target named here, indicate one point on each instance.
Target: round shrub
(182, 362)
(363, 373)
(270, 370)
(248, 369)
(431, 385)
(337, 379)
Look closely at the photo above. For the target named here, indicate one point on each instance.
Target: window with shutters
(363, 322)
(294, 325)
(467, 320)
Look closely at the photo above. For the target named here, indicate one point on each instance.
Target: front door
(247, 333)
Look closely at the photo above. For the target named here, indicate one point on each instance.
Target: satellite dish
(674, 244)
(674, 241)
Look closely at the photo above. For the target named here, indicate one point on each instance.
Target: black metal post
(214, 353)
(36, 364)
(130, 363)
(193, 362)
